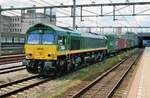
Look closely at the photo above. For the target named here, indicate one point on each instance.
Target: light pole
(0, 28)
(74, 14)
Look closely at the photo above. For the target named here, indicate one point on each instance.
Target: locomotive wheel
(96, 57)
(31, 68)
(61, 66)
(101, 57)
(70, 67)
(40, 67)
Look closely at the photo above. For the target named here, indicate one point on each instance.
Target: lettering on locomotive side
(40, 48)
(40, 53)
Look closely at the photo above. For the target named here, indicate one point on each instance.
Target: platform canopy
(145, 34)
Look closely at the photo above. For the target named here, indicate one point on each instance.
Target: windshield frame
(41, 33)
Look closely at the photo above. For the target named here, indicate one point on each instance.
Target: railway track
(11, 59)
(17, 86)
(104, 85)
(122, 90)
(12, 69)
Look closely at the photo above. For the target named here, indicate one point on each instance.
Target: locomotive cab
(41, 45)
(40, 49)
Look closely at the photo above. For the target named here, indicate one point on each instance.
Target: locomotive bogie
(63, 64)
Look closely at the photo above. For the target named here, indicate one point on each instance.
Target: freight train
(54, 50)
(117, 43)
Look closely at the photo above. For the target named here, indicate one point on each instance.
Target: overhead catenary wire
(14, 14)
(62, 12)
(90, 10)
(48, 3)
(134, 17)
(122, 16)
(65, 10)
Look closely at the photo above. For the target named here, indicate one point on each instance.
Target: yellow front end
(41, 52)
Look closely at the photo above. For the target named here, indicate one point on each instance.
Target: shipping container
(128, 43)
(112, 43)
(121, 43)
(132, 37)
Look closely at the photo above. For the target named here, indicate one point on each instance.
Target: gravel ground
(48, 88)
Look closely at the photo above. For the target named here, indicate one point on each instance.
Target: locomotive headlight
(29, 55)
(49, 55)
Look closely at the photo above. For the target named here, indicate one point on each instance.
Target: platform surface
(140, 87)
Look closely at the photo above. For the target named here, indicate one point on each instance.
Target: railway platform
(140, 88)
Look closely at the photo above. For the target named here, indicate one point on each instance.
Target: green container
(111, 42)
(132, 37)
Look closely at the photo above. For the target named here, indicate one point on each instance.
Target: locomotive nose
(41, 52)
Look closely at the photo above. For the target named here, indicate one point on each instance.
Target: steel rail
(11, 59)
(12, 70)
(18, 81)
(121, 79)
(5, 68)
(9, 93)
(9, 56)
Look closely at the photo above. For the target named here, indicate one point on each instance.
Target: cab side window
(61, 43)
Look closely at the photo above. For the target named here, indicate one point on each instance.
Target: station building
(19, 24)
(31, 17)
(12, 28)
(5, 22)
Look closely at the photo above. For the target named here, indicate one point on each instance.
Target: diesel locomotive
(51, 49)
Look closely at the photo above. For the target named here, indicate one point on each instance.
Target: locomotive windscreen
(47, 38)
(33, 38)
(44, 37)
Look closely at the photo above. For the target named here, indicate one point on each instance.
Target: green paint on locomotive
(72, 39)
(112, 42)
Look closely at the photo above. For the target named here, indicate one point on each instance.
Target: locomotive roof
(62, 30)
(111, 35)
(92, 35)
(46, 26)
(51, 27)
